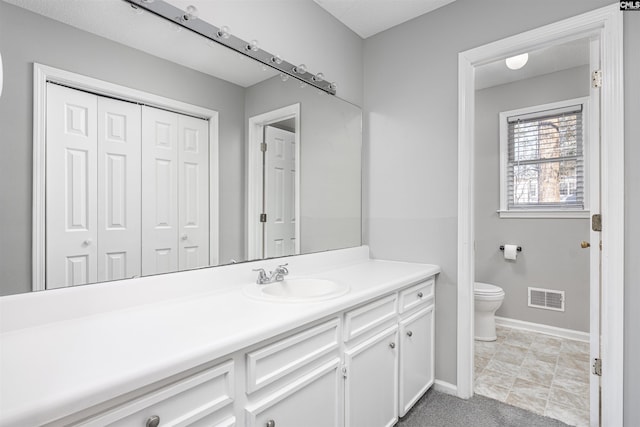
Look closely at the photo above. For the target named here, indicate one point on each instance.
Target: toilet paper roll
(510, 252)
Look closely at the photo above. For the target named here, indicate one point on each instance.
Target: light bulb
(517, 62)
(277, 59)
(191, 13)
(333, 86)
(300, 69)
(223, 32)
(318, 77)
(253, 46)
(284, 77)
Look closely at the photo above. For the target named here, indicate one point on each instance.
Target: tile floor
(542, 373)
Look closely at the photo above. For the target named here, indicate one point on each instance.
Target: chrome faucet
(276, 275)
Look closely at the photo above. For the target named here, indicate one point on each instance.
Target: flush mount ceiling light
(517, 62)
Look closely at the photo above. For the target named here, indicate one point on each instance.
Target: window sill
(559, 214)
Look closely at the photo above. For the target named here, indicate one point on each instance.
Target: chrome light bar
(218, 35)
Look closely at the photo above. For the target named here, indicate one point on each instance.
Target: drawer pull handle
(271, 423)
(420, 294)
(153, 421)
(409, 333)
(392, 345)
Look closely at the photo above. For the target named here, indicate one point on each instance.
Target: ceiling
(541, 61)
(369, 17)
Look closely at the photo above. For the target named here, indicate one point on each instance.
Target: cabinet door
(311, 401)
(371, 393)
(416, 357)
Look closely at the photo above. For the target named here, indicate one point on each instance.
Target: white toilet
(488, 298)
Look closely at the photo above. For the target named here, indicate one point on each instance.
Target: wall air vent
(546, 298)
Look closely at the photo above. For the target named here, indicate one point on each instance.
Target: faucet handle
(283, 268)
(262, 276)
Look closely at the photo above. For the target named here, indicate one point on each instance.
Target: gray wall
(51, 43)
(330, 161)
(410, 152)
(552, 258)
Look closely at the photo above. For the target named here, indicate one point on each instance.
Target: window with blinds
(545, 160)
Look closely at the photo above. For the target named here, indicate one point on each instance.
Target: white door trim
(605, 23)
(254, 174)
(43, 74)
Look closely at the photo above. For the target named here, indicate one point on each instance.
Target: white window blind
(545, 167)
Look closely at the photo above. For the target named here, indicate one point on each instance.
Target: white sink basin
(298, 290)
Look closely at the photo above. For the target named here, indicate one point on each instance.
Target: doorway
(603, 26)
(273, 225)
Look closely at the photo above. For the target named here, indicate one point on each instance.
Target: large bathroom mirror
(94, 74)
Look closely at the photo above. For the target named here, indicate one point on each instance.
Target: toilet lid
(480, 288)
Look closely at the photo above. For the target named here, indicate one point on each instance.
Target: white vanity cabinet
(371, 383)
(296, 381)
(357, 364)
(389, 356)
(417, 337)
(202, 399)
(371, 364)
(416, 357)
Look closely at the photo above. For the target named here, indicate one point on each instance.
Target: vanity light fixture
(189, 19)
(223, 32)
(300, 69)
(191, 13)
(253, 46)
(517, 62)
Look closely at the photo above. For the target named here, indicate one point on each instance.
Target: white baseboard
(445, 387)
(543, 329)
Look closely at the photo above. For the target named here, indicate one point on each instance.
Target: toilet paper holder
(519, 248)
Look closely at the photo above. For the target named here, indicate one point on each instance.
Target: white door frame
(43, 74)
(254, 175)
(605, 23)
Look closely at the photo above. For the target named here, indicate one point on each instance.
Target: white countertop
(52, 369)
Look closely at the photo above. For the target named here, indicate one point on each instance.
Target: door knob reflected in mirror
(585, 244)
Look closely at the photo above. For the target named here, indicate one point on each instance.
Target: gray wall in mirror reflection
(58, 45)
(330, 161)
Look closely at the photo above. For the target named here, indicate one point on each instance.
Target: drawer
(202, 397)
(367, 317)
(417, 295)
(285, 356)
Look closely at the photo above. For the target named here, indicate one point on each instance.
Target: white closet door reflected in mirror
(102, 155)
